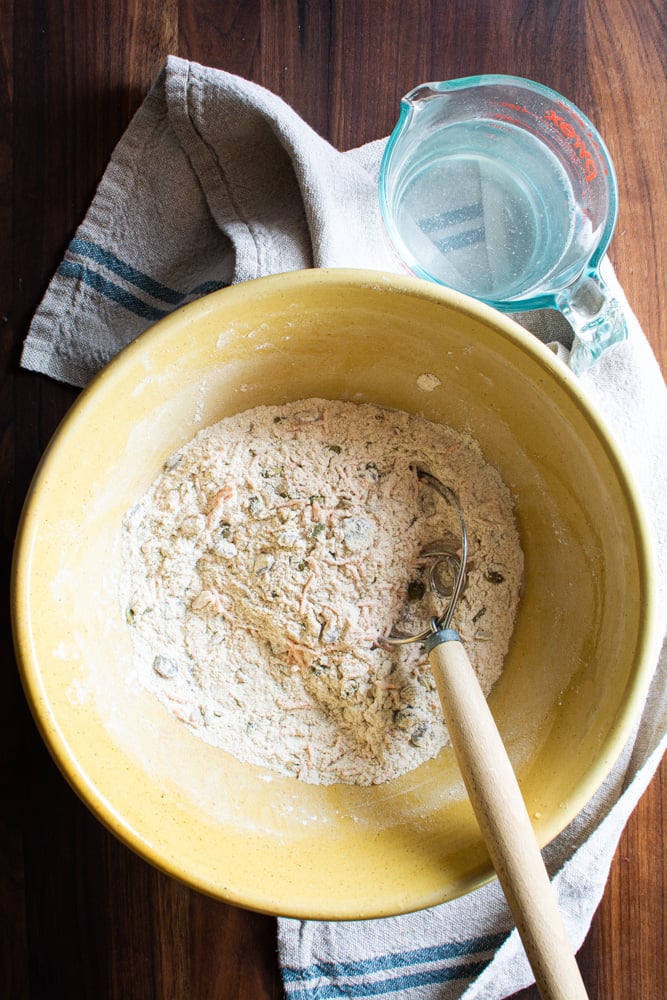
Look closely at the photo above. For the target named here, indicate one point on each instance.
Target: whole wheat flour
(277, 548)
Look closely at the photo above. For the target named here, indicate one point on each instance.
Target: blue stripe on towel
(459, 240)
(109, 260)
(119, 295)
(453, 217)
(385, 987)
(206, 287)
(110, 290)
(296, 984)
(416, 956)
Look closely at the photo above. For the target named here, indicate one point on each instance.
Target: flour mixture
(273, 553)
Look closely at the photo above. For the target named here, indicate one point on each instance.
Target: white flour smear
(276, 548)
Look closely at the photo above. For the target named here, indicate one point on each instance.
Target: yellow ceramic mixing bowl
(580, 658)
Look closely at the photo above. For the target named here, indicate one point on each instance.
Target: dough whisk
(491, 784)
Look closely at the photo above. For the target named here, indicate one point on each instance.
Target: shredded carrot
(304, 595)
(301, 655)
(215, 510)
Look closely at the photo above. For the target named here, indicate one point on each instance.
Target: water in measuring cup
(488, 210)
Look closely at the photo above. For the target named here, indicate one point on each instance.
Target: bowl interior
(579, 660)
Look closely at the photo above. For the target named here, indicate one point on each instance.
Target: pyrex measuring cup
(500, 188)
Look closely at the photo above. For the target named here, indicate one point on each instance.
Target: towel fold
(217, 181)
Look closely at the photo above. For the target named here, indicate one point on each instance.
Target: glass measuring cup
(501, 188)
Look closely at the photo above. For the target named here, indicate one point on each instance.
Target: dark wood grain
(80, 915)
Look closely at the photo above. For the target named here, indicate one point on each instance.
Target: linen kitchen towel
(217, 181)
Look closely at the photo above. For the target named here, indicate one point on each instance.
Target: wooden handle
(503, 819)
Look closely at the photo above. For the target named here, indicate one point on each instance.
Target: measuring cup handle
(503, 819)
(596, 318)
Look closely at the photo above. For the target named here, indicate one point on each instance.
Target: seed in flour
(277, 548)
(164, 667)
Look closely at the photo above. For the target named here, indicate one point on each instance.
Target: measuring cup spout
(413, 104)
(424, 92)
(596, 318)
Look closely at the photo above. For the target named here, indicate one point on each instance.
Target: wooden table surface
(80, 915)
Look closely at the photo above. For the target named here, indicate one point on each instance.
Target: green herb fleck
(480, 614)
(493, 576)
(335, 448)
(317, 529)
(130, 616)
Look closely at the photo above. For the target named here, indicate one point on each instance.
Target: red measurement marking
(570, 132)
(514, 107)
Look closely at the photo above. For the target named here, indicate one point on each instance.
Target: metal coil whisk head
(455, 565)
